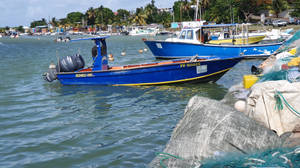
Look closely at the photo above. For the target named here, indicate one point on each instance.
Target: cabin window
(190, 35)
(182, 35)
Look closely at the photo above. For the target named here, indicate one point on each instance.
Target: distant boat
(274, 34)
(142, 31)
(61, 39)
(195, 42)
(71, 71)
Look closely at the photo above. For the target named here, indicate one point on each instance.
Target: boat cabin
(99, 53)
(203, 34)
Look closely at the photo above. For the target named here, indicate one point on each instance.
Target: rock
(210, 129)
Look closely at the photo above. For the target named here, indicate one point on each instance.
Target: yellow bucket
(249, 81)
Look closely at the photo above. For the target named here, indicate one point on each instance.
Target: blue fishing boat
(70, 70)
(196, 42)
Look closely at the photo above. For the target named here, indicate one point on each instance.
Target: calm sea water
(49, 125)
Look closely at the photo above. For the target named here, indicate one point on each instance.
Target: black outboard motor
(71, 63)
(66, 64)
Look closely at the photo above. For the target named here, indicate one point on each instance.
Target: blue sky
(22, 12)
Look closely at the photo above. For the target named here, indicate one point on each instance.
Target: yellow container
(249, 81)
(294, 62)
(293, 51)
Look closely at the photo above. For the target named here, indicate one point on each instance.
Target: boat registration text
(84, 75)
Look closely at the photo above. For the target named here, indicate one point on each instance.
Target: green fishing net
(281, 157)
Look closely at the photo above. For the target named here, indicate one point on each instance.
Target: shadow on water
(105, 101)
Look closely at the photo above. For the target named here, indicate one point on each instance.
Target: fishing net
(280, 157)
(295, 37)
(274, 76)
(210, 129)
(294, 41)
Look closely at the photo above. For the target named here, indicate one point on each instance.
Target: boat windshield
(182, 35)
(190, 35)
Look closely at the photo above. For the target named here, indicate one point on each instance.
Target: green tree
(63, 21)
(91, 16)
(54, 22)
(295, 5)
(246, 8)
(20, 29)
(38, 23)
(139, 17)
(122, 17)
(104, 16)
(278, 6)
(165, 19)
(152, 13)
(74, 17)
(183, 11)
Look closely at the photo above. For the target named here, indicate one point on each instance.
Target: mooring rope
(166, 156)
(279, 104)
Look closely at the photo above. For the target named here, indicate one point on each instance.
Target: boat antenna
(58, 64)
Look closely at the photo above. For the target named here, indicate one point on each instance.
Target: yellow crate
(249, 81)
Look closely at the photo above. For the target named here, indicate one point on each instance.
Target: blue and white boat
(70, 70)
(195, 42)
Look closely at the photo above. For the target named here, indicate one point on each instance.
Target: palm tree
(205, 3)
(54, 22)
(91, 15)
(278, 6)
(184, 8)
(139, 18)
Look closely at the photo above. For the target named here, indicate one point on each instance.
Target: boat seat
(115, 68)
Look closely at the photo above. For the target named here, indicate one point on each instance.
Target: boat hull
(173, 50)
(199, 71)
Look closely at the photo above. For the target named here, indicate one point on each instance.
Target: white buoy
(141, 51)
(110, 57)
(240, 106)
(145, 49)
(123, 53)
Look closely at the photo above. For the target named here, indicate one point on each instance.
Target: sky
(22, 12)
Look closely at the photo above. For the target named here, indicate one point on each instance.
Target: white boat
(274, 34)
(140, 31)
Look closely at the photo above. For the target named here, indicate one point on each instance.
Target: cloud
(22, 12)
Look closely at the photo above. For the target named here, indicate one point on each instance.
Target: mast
(196, 16)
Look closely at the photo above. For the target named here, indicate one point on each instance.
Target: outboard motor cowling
(71, 63)
(51, 75)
